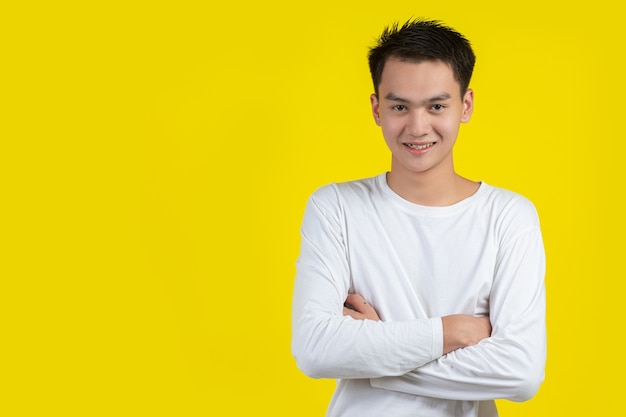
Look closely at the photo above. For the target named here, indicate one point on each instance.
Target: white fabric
(416, 264)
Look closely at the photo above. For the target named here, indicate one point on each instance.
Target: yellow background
(155, 159)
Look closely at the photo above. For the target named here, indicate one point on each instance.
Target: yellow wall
(155, 159)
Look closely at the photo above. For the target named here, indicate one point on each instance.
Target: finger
(358, 302)
(348, 305)
(354, 314)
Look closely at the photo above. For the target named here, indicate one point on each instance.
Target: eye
(438, 107)
(399, 107)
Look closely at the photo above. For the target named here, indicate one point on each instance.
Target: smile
(419, 147)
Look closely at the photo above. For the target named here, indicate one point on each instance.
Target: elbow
(310, 368)
(302, 350)
(316, 357)
(314, 347)
(526, 386)
(524, 369)
(526, 390)
(309, 362)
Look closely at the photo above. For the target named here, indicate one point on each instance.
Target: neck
(431, 188)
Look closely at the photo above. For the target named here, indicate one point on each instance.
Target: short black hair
(421, 40)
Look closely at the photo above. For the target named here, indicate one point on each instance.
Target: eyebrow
(440, 97)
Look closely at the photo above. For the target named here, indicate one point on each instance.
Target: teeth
(419, 147)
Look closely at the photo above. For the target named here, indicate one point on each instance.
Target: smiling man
(420, 111)
(421, 291)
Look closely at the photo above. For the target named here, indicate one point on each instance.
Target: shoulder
(513, 213)
(507, 202)
(331, 204)
(345, 192)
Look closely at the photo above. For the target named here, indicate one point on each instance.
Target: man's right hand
(460, 330)
(357, 308)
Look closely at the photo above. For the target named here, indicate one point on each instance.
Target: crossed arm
(459, 330)
(466, 359)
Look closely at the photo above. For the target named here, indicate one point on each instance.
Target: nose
(418, 123)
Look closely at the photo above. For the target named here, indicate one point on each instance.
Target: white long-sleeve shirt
(416, 264)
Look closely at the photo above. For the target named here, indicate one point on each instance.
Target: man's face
(419, 108)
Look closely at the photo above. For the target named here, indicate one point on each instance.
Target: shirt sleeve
(327, 344)
(510, 363)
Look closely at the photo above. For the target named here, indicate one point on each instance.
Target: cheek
(447, 127)
(390, 134)
(390, 127)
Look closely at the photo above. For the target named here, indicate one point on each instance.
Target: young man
(421, 291)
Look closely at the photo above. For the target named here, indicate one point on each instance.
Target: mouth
(419, 147)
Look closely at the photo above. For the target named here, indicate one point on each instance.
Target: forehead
(418, 78)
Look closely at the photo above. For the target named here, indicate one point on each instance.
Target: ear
(375, 108)
(468, 106)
